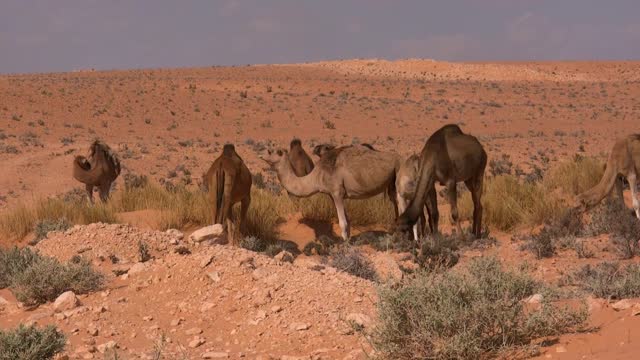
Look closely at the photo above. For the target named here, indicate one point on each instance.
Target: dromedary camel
(300, 162)
(349, 172)
(228, 181)
(100, 169)
(624, 160)
(406, 189)
(321, 149)
(449, 156)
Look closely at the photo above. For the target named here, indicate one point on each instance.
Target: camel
(406, 188)
(449, 156)
(228, 181)
(100, 169)
(321, 149)
(349, 172)
(624, 160)
(300, 161)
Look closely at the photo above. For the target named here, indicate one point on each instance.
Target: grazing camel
(406, 188)
(228, 181)
(100, 169)
(624, 160)
(349, 172)
(449, 156)
(300, 162)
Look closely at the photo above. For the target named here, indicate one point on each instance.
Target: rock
(276, 309)
(561, 349)
(193, 331)
(206, 260)
(289, 357)
(207, 233)
(214, 276)
(196, 342)
(215, 355)
(635, 310)
(594, 304)
(176, 322)
(137, 268)
(534, 299)
(107, 346)
(358, 319)
(622, 305)
(66, 301)
(284, 256)
(206, 306)
(3, 303)
(175, 234)
(299, 326)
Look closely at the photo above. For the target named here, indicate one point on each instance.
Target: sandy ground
(534, 113)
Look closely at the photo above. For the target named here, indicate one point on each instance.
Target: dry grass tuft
(575, 176)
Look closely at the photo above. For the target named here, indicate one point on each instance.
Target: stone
(535, 299)
(561, 349)
(215, 355)
(107, 346)
(276, 309)
(622, 305)
(206, 260)
(197, 341)
(66, 301)
(3, 303)
(635, 310)
(175, 234)
(214, 276)
(207, 233)
(137, 268)
(193, 331)
(284, 256)
(358, 319)
(299, 326)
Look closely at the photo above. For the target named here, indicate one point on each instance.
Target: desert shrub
(14, 261)
(135, 181)
(613, 217)
(253, 243)
(509, 203)
(501, 166)
(465, 314)
(45, 279)
(143, 251)
(30, 342)
(608, 280)
(352, 261)
(441, 252)
(575, 176)
(323, 245)
(43, 227)
(559, 233)
(275, 247)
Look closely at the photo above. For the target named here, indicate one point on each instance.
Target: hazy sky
(62, 35)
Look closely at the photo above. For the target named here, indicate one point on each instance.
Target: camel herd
(360, 171)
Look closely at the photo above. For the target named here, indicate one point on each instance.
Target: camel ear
(280, 152)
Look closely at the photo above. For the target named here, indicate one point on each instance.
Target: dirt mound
(217, 299)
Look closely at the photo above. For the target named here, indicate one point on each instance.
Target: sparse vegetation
(30, 342)
(43, 227)
(466, 314)
(612, 217)
(608, 280)
(351, 260)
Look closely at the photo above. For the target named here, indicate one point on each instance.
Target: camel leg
(89, 189)
(103, 190)
(452, 191)
(432, 210)
(342, 217)
(243, 212)
(475, 187)
(634, 193)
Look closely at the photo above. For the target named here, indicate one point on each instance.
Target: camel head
(321, 149)
(274, 157)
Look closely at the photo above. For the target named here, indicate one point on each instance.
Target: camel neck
(298, 186)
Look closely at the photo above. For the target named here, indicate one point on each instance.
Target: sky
(65, 35)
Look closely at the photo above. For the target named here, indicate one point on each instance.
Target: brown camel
(100, 169)
(624, 160)
(300, 162)
(321, 149)
(228, 181)
(349, 172)
(406, 189)
(449, 156)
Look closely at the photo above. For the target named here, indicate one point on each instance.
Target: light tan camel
(228, 181)
(100, 169)
(300, 162)
(406, 189)
(449, 156)
(349, 172)
(624, 160)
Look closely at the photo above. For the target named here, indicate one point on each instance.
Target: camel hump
(295, 143)
(228, 150)
(100, 147)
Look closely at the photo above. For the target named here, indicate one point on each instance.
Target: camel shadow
(320, 228)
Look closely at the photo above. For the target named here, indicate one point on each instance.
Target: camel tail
(594, 195)
(83, 172)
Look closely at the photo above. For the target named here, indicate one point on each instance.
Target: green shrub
(465, 314)
(612, 217)
(14, 261)
(608, 280)
(30, 343)
(43, 227)
(253, 243)
(45, 279)
(352, 261)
